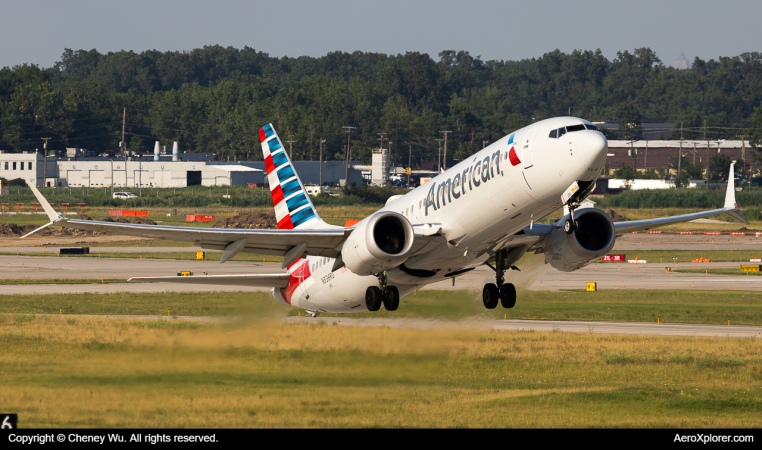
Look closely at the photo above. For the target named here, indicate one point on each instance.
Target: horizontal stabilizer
(266, 280)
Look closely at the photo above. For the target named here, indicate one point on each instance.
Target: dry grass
(67, 372)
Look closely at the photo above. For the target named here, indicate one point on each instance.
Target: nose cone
(593, 147)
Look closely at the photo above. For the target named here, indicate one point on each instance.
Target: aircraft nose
(592, 149)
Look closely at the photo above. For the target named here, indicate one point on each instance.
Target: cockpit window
(553, 134)
(561, 131)
(591, 127)
(572, 128)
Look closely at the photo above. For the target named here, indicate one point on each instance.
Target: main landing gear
(388, 295)
(503, 292)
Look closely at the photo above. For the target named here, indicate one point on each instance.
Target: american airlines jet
(482, 211)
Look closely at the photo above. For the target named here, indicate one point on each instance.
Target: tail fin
(293, 208)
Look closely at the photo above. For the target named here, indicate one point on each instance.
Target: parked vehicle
(125, 195)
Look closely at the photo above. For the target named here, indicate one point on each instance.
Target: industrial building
(645, 154)
(161, 170)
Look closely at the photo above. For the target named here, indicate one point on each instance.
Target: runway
(538, 276)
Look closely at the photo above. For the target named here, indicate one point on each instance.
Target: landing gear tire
(373, 298)
(392, 300)
(490, 296)
(508, 295)
(569, 226)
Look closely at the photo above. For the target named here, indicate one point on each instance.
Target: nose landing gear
(571, 225)
(388, 295)
(503, 292)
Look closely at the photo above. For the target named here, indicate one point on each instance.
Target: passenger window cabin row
(555, 134)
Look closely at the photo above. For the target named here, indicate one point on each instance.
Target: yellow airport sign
(591, 287)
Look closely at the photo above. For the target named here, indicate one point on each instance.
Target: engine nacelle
(381, 242)
(594, 237)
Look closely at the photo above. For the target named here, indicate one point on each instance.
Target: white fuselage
(480, 204)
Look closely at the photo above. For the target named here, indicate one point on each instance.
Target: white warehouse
(121, 173)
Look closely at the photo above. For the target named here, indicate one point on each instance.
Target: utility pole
(45, 163)
(290, 142)
(743, 154)
(439, 155)
(349, 137)
(679, 156)
(409, 161)
(445, 149)
(123, 145)
(322, 141)
(645, 163)
(706, 173)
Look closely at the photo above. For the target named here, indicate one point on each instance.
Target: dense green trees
(214, 99)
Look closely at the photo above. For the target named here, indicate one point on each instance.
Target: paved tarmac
(632, 328)
(534, 275)
(644, 241)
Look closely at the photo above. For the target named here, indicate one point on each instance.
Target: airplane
(482, 211)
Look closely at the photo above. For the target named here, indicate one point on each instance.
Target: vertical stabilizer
(293, 208)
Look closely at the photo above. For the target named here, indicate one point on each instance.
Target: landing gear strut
(571, 225)
(500, 291)
(388, 295)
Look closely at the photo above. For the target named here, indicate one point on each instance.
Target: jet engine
(593, 237)
(379, 243)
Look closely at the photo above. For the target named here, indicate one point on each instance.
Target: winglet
(730, 198)
(52, 214)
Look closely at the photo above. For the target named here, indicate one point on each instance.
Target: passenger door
(527, 149)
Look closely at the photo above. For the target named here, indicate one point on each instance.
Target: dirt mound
(139, 220)
(13, 230)
(84, 217)
(616, 217)
(746, 230)
(249, 220)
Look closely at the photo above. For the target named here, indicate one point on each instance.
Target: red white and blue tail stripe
(293, 208)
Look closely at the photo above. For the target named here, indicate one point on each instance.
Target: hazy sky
(37, 31)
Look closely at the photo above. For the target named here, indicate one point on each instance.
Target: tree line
(214, 99)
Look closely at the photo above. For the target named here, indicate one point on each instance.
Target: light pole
(346, 176)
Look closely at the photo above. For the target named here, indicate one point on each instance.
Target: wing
(730, 207)
(292, 244)
(275, 280)
(534, 237)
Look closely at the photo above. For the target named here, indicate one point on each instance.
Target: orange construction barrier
(81, 208)
(19, 207)
(701, 259)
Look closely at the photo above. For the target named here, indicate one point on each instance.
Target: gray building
(141, 172)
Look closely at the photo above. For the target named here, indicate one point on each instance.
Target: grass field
(336, 215)
(718, 307)
(8, 281)
(184, 256)
(686, 256)
(721, 272)
(78, 372)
